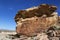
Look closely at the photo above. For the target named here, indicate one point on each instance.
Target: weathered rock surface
(43, 9)
(35, 20)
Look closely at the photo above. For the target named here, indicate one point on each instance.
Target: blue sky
(9, 8)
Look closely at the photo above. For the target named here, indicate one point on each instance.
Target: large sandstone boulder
(35, 20)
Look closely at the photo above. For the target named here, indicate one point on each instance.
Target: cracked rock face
(35, 20)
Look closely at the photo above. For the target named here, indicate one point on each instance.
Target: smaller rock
(53, 38)
(42, 36)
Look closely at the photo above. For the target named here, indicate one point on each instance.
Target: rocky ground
(42, 36)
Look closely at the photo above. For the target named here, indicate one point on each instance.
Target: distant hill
(3, 30)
